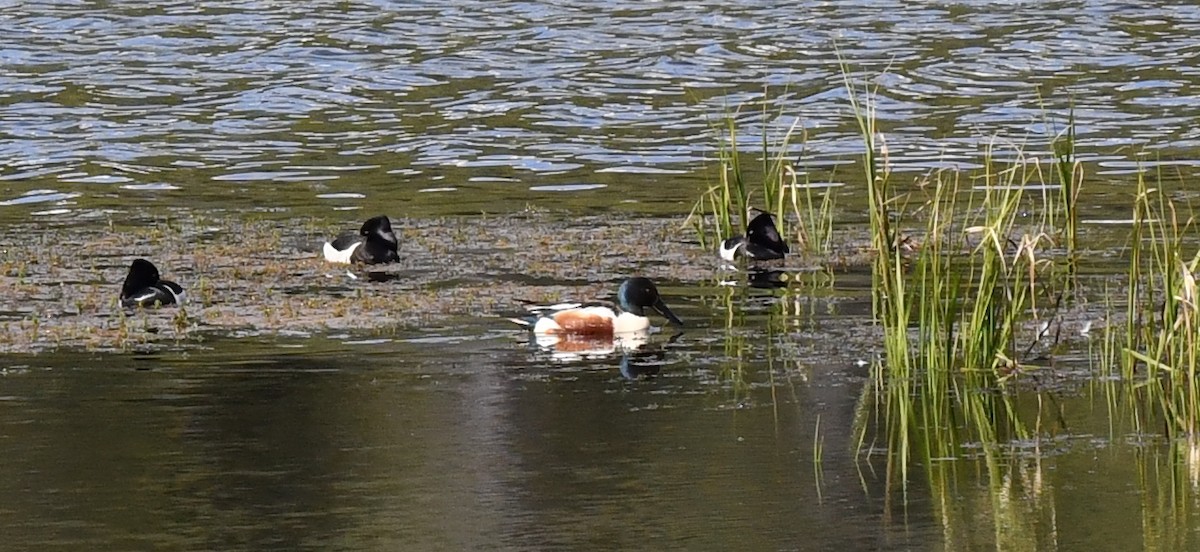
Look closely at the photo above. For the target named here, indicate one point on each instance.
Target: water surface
(174, 129)
(267, 106)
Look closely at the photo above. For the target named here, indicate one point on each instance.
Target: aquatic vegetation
(805, 210)
(960, 303)
(259, 276)
(1070, 180)
(954, 303)
(974, 276)
(818, 447)
(1159, 351)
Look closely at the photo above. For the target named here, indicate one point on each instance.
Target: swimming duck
(761, 242)
(374, 244)
(144, 288)
(601, 318)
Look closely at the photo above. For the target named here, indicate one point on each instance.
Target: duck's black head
(379, 227)
(380, 243)
(142, 274)
(638, 293)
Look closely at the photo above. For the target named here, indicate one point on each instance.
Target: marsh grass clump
(1069, 173)
(961, 313)
(776, 185)
(1159, 351)
(950, 317)
(954, 305)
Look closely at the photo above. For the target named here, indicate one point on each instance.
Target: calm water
(460, 437)
(286, 445)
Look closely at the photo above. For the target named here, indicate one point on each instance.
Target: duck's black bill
(662, 309)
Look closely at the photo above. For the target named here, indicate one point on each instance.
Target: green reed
(818, 454)
(813, 210)
(734, 195)
(950, 320)
(1161, 341)
(1070, 180)
(889, 299)
(1068, 174)
(804, 217)
(955, 314)
(951, 309)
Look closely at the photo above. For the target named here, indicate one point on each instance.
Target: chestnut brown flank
(581, 323)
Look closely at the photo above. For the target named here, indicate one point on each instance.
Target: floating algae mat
(245, 276)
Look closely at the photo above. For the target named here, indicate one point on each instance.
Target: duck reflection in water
(381, 276)
(373, 275)
(647, 362)
(764, 278)
(768, 278)
(639, 357)
(575, 347)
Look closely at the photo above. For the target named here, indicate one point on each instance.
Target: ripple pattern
(204, 99)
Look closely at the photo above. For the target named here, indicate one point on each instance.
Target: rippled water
(458, 436)
(298, 105)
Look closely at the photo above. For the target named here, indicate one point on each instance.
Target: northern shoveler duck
(375, 243)
(144, 287)
(602, 319)
(761, 242)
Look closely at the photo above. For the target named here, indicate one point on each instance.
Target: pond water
(311, 411)
(393, 443)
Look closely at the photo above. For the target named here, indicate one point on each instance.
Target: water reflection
(407, 447)
(639, 354)
(380, 276)
(432, 442)
(764, 278)
(573, 347)
(641, 365)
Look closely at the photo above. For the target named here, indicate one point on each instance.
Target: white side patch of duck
(177, 291)
(546, 325)
(334, 256)
(729, 248)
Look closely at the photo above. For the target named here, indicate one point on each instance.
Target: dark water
(457, 436)
(282, 444)
(286, 449)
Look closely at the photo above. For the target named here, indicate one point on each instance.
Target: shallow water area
(267, 275)
(335, 443)
(341, 442)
